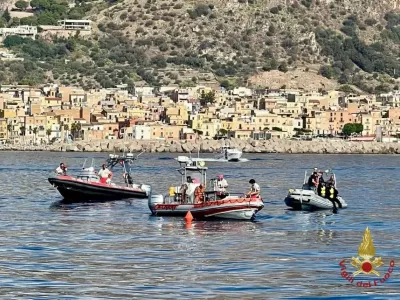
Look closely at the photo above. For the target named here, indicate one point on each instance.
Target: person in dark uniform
(320, 177)
(332, 196)
(313, 180)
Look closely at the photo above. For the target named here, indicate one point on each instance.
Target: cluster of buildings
(57, 113)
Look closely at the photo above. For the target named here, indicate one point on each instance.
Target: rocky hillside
(353, 42)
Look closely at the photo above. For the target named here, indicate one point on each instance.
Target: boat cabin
(193, 173)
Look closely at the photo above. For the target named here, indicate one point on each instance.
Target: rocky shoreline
(318, 146)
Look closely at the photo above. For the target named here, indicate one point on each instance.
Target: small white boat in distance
(213, 204)
(229, 153)
(310, 198)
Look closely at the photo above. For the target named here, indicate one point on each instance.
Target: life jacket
(323, 191)
(332, 193)
(172, 191)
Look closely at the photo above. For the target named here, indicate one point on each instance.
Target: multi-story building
(85, 25)
(141, 132)
(25, 31)
(3, 130)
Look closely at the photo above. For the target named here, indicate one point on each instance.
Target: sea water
(118, 250)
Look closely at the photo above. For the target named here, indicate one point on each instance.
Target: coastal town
(50, 114)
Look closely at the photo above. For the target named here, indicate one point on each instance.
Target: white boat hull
(302, 199)
(230, 155)
(227, 208)
(233, 155)
(240, 214)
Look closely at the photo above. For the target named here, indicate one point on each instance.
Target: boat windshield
(88, 174)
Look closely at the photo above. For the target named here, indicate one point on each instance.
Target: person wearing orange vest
(199, 194)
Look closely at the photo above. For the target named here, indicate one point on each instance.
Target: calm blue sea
(118, 251)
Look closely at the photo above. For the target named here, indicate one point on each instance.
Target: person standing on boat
(313, 180)
(104, 174)
(254, 190)
(62, 169)
(199, 194)
(222, 184)
(321, 177)
(331, 181)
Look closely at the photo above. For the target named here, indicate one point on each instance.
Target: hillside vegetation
(353, 42)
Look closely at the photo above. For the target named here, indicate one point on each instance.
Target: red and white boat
(181, 198)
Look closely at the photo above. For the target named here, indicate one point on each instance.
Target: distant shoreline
(318, 146)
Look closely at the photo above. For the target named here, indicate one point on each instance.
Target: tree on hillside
(206, 98)
(22, 129)
(223, 131)
(9, 130)
(48, 133)
(21, 4)
(350, 128)
(40, 4)
(6, 16)
(76, 130)
(283, 67)
(35, 131)
(13, 40)
(327, 71)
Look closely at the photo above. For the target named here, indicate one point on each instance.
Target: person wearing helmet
(254, 190)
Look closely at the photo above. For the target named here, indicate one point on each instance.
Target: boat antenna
(140, 153)
(84, 163)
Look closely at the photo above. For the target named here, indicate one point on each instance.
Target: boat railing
(207, 196)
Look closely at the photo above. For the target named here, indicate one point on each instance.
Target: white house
(141, 132)
(22, 30)
(75, 24)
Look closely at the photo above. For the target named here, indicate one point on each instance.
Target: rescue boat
(214, 204)
(87, 186)
(309, 198)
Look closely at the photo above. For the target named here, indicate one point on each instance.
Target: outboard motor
(146, 188)
(154, 200)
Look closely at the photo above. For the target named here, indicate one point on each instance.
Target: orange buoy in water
(189, 217)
